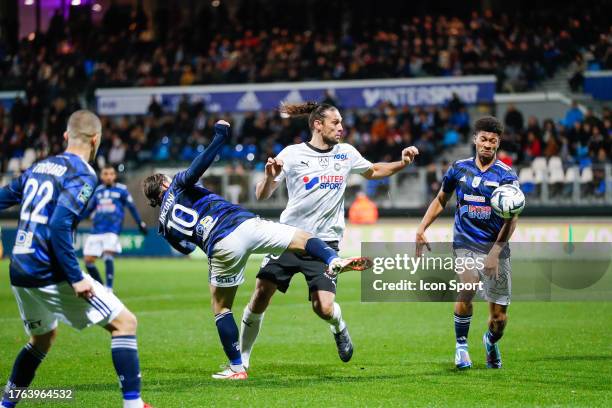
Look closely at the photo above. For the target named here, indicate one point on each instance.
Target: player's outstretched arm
(205, 159)
(265, 188)
(129, 202)
(433, 212)
(382, 170)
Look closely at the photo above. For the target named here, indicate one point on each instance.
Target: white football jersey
(316, 180)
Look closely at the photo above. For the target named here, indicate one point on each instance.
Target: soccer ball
(507, 201)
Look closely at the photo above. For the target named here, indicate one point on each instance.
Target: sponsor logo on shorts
(32, 324)
(225, 279)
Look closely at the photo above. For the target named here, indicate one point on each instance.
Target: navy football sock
(317, 248)
(462, 327)
(93, 271)
(109, 263)
(228, 333)
(24, 368)
(493, 337)
(124, 350)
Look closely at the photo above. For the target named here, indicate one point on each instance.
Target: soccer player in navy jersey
(44, 270)
(479, 234)
(108, 205)
(192, 216)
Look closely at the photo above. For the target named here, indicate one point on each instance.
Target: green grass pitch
(555, 354)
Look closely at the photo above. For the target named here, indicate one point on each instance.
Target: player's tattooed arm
(265, 188)
(382, 170)
(433, 212)
(201, 163)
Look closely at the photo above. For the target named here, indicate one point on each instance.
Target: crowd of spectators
(163, 136)
(579, 138)
(520, 49)
(174, 137)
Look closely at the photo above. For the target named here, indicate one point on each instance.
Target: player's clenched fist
(408, 154)
(273, 167)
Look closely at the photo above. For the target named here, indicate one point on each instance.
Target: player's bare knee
(299, 240)
(323, 308)
(125, 324)
(90, 259)
(499, 318)
(43, 342)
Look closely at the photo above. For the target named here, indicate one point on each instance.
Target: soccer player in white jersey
(316, 173)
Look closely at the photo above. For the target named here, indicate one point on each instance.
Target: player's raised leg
(222, 299)
(497, 322)
(317, 248)
(252, 318)
(26, 364)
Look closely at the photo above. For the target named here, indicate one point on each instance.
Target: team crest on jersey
(476, 181)
(323, 162)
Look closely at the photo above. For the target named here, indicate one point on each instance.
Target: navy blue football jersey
(65, 180)
(108, 205)
(476, 225)
(192, 215)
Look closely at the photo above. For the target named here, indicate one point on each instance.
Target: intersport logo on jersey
(332, 182)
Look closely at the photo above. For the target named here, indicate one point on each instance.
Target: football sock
(228, 333)
(317, 248)
(93, 271)
(24, 368)
(493, 337)
(462, 327)
(124, 350)
(249, 330)
(336, 322)
(109, 263)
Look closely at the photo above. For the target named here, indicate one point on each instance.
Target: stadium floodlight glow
(28, 2)
(97, 8)
(215, 3)
(75, 2)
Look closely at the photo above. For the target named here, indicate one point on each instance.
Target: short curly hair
(488, 124)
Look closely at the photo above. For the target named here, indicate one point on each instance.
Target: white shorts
(41, 308)
(97, 244)
(254, 236)
(498, 290)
